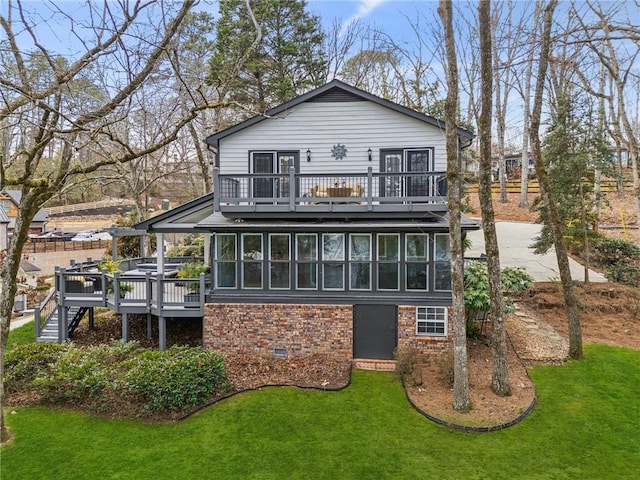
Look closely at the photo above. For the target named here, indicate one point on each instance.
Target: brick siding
(232, 328)
(236, 328)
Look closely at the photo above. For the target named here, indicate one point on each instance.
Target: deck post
(369, 188)
(162, 333)
(292, 189)
(149, 327)
(91, 318)
(125, 327)
(217, 189)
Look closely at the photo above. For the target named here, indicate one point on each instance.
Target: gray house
(329, 231)
(326, 232)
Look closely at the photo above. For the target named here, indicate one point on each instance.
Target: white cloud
(365, 7)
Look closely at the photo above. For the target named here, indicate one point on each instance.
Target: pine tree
(258, 69)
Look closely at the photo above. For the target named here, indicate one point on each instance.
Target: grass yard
(21, 335)
(585, 426)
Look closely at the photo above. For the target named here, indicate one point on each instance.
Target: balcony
(308, 195)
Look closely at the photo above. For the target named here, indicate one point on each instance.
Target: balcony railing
(294, 192)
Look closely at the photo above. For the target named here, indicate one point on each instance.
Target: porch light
(370, 154)
(308, 155)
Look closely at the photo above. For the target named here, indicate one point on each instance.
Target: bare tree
(60, 115)
(500, 383)
(553, 217)
(461, 401)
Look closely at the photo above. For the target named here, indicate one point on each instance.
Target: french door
(271, 174)
(405, 161)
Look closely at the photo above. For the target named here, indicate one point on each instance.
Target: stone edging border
(471, 429)
(490, 428)
(259, 387)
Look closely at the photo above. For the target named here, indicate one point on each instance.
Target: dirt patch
(434, 394)
(609, 312)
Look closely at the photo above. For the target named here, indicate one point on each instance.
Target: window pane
(226, 247)
(333, 247)
(251, 246)
(279, 247)
(417, 247)
(307, 275)
(388, 248)
(360, 276)
(226, 275)
(307, 248)
(280, 275)
(252, 274)
(360, 247)
(443, 276)
(333, 276)
(388, 276)
(443, 251)
(416, 276)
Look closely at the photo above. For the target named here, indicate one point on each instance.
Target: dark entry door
(375, 331)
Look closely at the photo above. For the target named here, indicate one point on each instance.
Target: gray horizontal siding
(319, 126)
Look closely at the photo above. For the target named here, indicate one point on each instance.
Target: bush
(611, 251)
(78, 376)
(175, 379)
(625, 273)
(24, 363)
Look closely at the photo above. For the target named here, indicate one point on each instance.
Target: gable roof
(27, 267)
(16, 196)
(182, 218)
(337, 91)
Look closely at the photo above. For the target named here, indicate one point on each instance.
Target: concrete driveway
(514, 240)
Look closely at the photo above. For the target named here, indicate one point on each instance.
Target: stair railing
(44, 311)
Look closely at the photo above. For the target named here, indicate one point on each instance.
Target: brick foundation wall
(407, 333)
(234, 328)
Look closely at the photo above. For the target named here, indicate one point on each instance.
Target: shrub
(24, 363)
(79, 375)
(175, 379)
(611, 251)
(626, 273)
(406, 360)
(446, 366)
(476, 291)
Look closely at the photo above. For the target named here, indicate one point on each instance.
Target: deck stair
(51, 330)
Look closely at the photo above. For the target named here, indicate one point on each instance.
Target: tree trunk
(29, 205)
(500, 383)
(575, 331)
(524, 179)
(461, 401)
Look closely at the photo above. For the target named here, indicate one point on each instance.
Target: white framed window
(360, 261)
(442, 262)
(225, 258)
(279, 261)
(333, 261)
(416, 261)
(388, 261)
(306, 261)
(432, 321)
(252, 256)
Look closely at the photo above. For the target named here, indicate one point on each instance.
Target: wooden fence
(534, 187)
(42, 245)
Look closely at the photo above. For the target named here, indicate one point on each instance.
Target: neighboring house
(28, 273)
(4, 230)
(513, 165)
(9, 201)
(330, 229)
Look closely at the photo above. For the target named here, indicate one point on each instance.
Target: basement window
(280, 352)
(431, 321)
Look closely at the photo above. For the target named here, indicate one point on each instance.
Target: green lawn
(585, 427)
(21, 335)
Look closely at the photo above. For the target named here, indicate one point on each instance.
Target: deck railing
(150, 292)
(297, 189)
